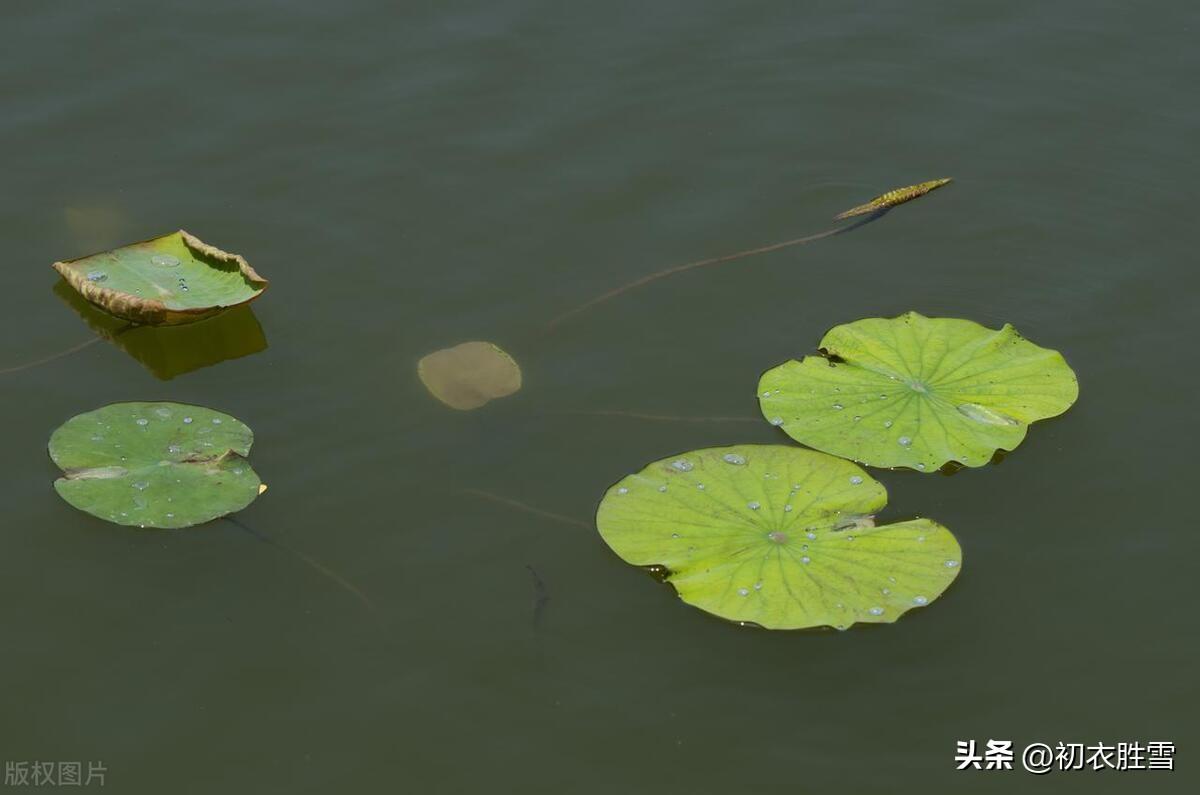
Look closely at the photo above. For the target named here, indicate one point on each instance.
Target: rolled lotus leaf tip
(895, 197)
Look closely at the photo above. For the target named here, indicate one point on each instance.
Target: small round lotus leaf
(917, 392)
(777, 536)
(176, 278)
(469, 375)
(163, 465)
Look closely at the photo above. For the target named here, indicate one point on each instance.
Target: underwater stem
(687, 266)
(312, 563)
(18, 368)
(520, 506)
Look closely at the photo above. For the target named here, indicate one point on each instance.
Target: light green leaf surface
(777, 536)
(176, 278)
(917, 392)
(162, 465)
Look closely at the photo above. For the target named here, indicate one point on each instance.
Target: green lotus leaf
(469, 375)
(777, 536)
(176, 278)
(163, 465)
(917, 392)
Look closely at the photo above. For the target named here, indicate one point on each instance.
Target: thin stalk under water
(67, 352)
(687, 266)
(310, 561)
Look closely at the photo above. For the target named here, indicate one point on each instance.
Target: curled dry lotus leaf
(917, 392)
(162, 465)
(469, 375)
(176, 278)
(777, 536)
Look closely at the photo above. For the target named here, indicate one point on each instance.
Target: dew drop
(163, 412)
(622, 490)
(920, 600)
(838, 406)
(141, 485)
(855, 480)
(142, 421)
(787, 509)
(733, 458)
(887, 423)
(165, 261)
(743, 591)
(662, 488)
(753, 505)
(758, 585)
(174, 449)
(96, 276)
(216, 421)
(876, 611)
(905, 441)
(700, 486)
(187, 420)
(811, 535)
(682, 465)
(885, 591)
(806, 559)
(951, 564)
(777, 421)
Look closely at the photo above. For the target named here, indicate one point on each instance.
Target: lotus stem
(520, 506)
(687, 266)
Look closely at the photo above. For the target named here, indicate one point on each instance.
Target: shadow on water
(170, 351)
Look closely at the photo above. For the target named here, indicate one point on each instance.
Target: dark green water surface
(415, 175)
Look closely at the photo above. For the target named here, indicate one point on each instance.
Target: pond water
(412, 178)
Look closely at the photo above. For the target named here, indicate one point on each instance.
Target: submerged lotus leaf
(176, 278)
(469, 375)
(777, 536)
(917, 392)
(164, 465)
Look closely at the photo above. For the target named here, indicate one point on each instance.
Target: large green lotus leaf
(777, 536)
(176, 278)
(917, 392)
(165, 465)
(469, 375)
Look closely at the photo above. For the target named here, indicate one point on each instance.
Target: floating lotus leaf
(469, 375)
(777, 536)
(917, 392)
(165, 465)
(172, 279)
